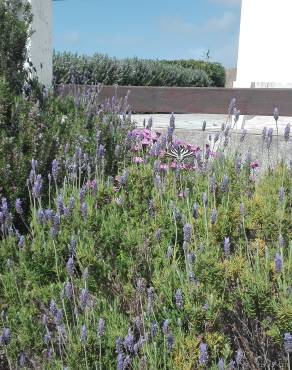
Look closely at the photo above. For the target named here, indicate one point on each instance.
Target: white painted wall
(265, 52)
(40, 48)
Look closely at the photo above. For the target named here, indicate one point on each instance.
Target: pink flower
(173, 165)
(193, 148)
(254, 165)
(177, 142)
(146, 133)
(145, 141)
(163, 167)
(136, 148)
(138, 160)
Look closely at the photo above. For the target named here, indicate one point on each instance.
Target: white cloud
(214, 24)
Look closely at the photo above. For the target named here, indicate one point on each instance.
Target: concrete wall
(265, 53)
(40, 46)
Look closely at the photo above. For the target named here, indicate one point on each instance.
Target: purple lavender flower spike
(214, 215)
(158, 235)
(231, 365)
(34, 164)
(5, 337)
(191, 257)
(150, 299)
(58, 316)
(213, 184)
(41, 217)
(157, 181)
(70, 266)
(21, 360)
(129, 342)
(154, 329)
(187, 229)
(83, 334)
(276, 114)
(101, 327)
(72, 247)
(47, 338)
(82, 194)
(179, 299)
(83, 298)
(243, 133)
(288, 342)
(225, 184)
(281, 194)
(71, 203)
(281, 241)
(231, 106)
(49, 354)
(84, 210)
(203, 357)
(192, 278)
(204, 200)
(172, 121)
(169, 342)
(127, 362)
(287, 132)
(169, 252)
(141, 286)
(37, 187)
(120, 362)
(68, 289)
(53, 307)
(239, 357)
(227, 247)
(21, 242)
(55, 169)
(278, 263)
(221, 365)
(149, 124)
(165, 327)
(119, 345)
(238, 164)
(60, 204)
(101, 151)
(269, 137)
(264, 133)
(18, 206)
(195, 211)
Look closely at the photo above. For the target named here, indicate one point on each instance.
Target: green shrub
(15, 19)
(215, 71)
(70, 68)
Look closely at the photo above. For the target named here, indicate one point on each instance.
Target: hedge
(72, 68)
(215, 71)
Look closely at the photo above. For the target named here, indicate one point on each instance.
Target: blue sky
(156, 29)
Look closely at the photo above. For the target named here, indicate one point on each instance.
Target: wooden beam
(192, 100)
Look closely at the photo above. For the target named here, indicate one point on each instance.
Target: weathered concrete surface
(214, 121)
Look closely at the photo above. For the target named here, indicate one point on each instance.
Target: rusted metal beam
(144, 99)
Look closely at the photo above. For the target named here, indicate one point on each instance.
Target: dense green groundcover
(118, 255)
(72, 68)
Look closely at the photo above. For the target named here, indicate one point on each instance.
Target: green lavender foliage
(234, 301)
